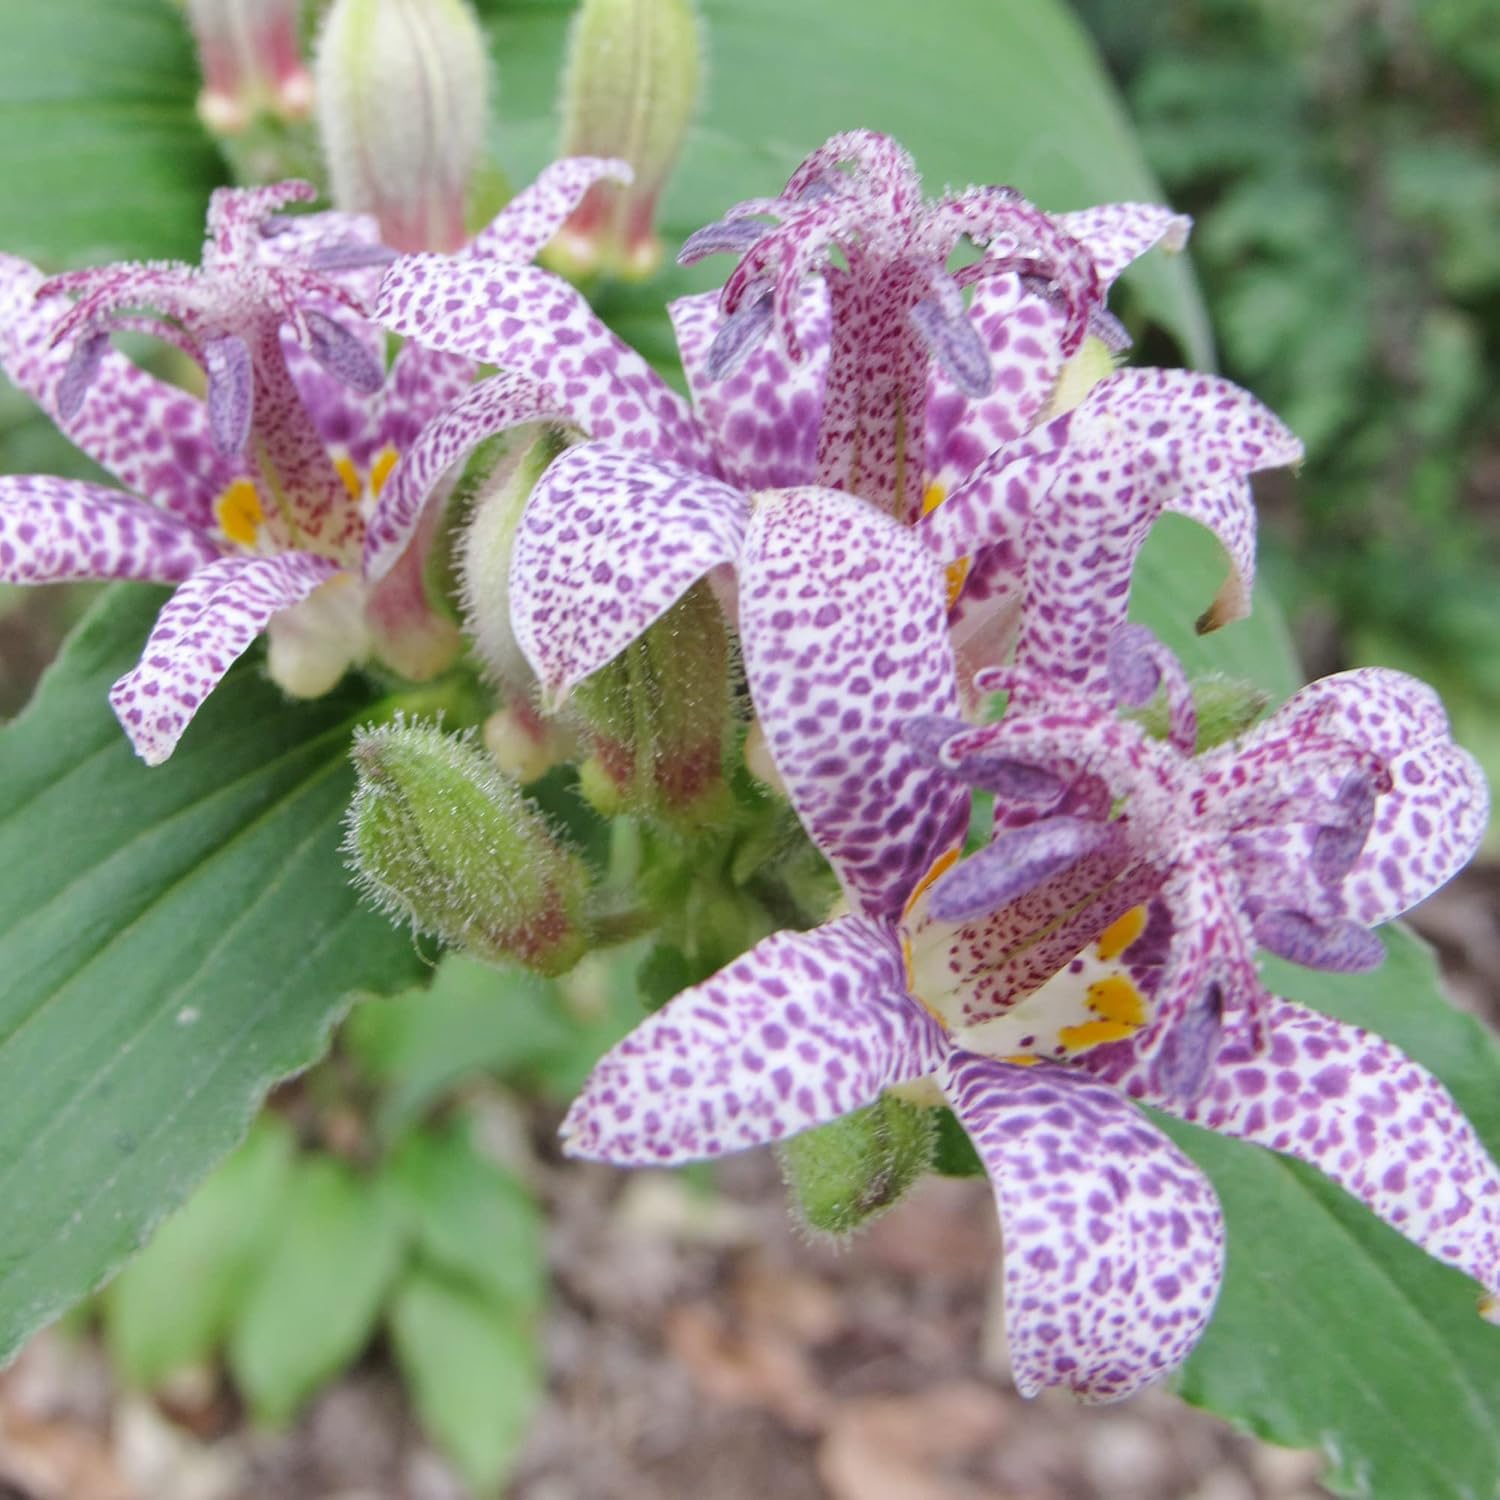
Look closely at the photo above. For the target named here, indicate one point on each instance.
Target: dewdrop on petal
(438, 836)
(630, 86)
(402, 90)
(250, 55)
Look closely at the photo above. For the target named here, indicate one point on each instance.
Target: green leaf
(101, 154)
(475, 1019)
(1332, 1330)
(171, 1306)
(474, 1374)
(173, 940)
(1179, 569)
(473, 1221)
(1010, 93)
(317, 1299)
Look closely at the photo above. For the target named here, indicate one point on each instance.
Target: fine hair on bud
(843, 1175)
(439, 838)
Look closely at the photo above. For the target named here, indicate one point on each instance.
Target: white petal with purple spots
(803, 1028)
(203, 627)
(607, 544)
(842, 619)
(1114, 1244)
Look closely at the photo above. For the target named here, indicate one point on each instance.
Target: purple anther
(231, 391)
(1190, 1047)
(1339, 945)
(1109, 330)
(351, 256)
(1337, 846)
(1138, 666)
(739, 335)
(955, 343)
(722, 237)
(1013, 780)
(80, 373)
(1014, 863)
(344, 354)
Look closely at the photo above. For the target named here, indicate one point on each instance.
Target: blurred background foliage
(1342, 161)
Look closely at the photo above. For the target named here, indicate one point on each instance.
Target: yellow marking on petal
(238, 512)
(1116, 999)
(957, 573)
(1121, 933)
(1489, 1308)
(941, 865)
(933, 498)
(1092, 1033)
(350, 475)
(380, 470)
(1022, 1059)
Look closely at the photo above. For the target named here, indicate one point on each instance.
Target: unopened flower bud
(251, 58)
(402, 104)
(842, 1175)
(1226, 707)
(439, 837)
(657, 717)
(629, 89)
(486, 547)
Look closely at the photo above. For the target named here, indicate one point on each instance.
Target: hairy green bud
(630, 86)
(657, 718)
(848, 1172)
(1226, 708)
(402, 91)
(437, 836)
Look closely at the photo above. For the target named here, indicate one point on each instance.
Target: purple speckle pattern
(606, 545)
(1071, 505)
(1365, 1115)
(1114, 1243)
(492, 406)
(536, 325)
(1427, 825)
(151, 436)
(1115, 234)
(203, 627)
(763, 419)
(842, 624)
(539, 210)
(803, 1028)
(62, 530)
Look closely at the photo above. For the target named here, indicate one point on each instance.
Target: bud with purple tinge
(402, 104)
(629, 89)
(251, 58)
(439, 837)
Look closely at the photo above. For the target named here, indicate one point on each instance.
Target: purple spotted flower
(255, 498)
(1341, 811)
(1113, 1239)
(790, 375)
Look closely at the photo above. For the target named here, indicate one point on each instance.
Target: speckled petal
(204, 626)
(763, 419)
(1115, 234)
(421, 384)
(1365, 1115)
(534, 323)
(60, 530)
(537, 212)
(607, 544)
(503, 401)
(803, 1028)
(1114, 1244)
(1429, 825)
(842, 619)
(151, 436)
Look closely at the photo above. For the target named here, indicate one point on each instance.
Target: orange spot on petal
(1121, 933)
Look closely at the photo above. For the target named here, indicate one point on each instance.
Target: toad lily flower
(1345, 808)
(772, 412)
(253, 499)
(1113, 1239)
